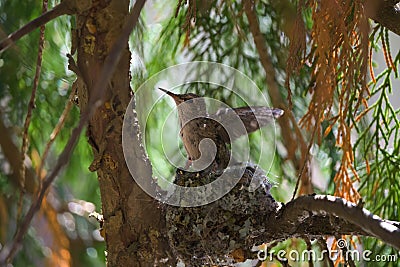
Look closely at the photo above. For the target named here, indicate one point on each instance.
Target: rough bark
(133, 223)
(386, 13)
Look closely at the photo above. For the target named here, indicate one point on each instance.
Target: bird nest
(220, 233)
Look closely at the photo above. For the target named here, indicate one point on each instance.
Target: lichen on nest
(213, 234)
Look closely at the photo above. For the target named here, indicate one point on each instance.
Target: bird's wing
(228, 118)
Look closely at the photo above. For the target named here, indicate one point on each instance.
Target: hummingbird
(206, 136)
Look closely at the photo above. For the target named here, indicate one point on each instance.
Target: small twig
(55, 132)
(178, 7)
(306, 160)
(309, 248)
(348, 261)
(31, 106)
(324, 247)
(96, 99)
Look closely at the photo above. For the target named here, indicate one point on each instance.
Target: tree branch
(371, 224)
(329, 215)
(385, 12)
(65, 7)
(242, 219)
(8, 251)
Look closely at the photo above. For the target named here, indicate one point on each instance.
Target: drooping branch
(293, 141)
(31, 104)
(65, 7)
(8, 251)
(386, 13)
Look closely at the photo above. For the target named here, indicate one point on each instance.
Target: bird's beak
(174, 96)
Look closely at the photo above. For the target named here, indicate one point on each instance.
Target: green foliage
(379, 145)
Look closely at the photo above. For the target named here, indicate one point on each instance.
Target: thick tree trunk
(133, 223)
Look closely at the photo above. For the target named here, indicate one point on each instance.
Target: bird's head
(180, 98)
